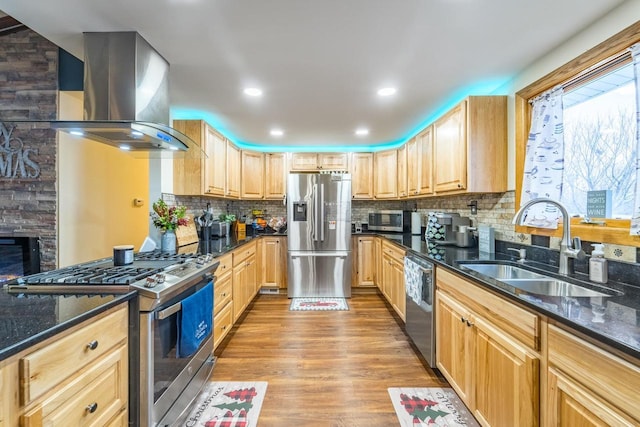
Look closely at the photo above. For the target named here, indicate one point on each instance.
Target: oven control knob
(150, 283)
(160, 277)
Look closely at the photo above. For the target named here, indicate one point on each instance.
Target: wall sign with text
(15, 157)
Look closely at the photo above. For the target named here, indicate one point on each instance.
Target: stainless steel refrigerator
(319, 234)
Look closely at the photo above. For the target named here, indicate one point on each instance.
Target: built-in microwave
(390, 220)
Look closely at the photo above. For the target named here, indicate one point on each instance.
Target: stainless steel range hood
(126, 95)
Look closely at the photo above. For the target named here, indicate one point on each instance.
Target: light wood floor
(324, 369)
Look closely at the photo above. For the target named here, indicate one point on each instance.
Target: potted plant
(168, 219)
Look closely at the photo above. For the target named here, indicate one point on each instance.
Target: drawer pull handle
(92, 345)
(91, 408)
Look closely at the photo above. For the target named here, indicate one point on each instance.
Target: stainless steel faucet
(568, 249)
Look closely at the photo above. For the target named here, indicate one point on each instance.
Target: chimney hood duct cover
(126, 95)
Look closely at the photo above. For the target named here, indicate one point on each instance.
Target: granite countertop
(26, 320)
(618, 327)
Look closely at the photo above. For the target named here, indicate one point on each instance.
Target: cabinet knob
(92, 345)
(91, 408)
(469, 323)
(462, 319)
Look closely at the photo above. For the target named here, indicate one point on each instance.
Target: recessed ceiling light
(362, 131)
(276, 132)
(253, 91)
(77, 133)
(125, 147)
(387, 91)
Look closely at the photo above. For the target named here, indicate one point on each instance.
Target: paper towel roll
(416, 223)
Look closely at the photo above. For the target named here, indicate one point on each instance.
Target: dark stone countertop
(26, 320)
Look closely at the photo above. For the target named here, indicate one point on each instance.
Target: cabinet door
(333, 161)
(188, 169)
(413, 171)
(569, 405)
(424, 142)
(387, 277)
(304, 162)
(233, 171)
(398, 298)
(453, 354)
(362, 175)
(506, 378)
(402, 171)
(251, 278)
(216, 168)
(365, 259)
(252, 180)
(271, 267)
(386, 183)
(378, 262)
(275, 180)
(450, 146)
(239, 291)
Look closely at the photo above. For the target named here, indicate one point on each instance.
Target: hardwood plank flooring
(325, 369)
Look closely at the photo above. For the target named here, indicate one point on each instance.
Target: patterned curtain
(635, 218)
(544, 160)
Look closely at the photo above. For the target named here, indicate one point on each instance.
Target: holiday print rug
(318, 304)
(228, 404)
(430, 407)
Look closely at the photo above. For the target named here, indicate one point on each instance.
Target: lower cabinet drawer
(222, 292)
(222, 324)
(44, 369)
(95, 398)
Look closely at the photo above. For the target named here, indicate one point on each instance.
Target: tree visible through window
(600, 144)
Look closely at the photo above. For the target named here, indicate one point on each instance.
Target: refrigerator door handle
(316, 213)
(322, 219)
(307, 254)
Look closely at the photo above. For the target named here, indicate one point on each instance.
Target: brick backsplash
(29, 90)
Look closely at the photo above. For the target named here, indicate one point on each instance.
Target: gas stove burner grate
(158, 255)
(93, 275)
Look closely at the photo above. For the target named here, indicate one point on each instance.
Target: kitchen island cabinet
(487, 348)
(470, 147)
(77, 377)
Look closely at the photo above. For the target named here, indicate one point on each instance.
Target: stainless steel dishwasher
(420, 293)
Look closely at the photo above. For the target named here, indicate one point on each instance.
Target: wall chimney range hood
(126, 95)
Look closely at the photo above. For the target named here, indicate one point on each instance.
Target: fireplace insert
(19, 256)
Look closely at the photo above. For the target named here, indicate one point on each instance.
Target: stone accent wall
(28, 91)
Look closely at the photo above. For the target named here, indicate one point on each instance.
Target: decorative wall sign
(15, 158)
(599, 204)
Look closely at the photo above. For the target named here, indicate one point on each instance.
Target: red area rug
(430, 407)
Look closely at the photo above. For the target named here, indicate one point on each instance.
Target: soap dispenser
(598, 271)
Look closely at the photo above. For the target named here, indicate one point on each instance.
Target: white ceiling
(320, 62)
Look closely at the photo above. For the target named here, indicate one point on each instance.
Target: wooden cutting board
(187, 234)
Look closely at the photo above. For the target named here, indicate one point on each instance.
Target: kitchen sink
(502, 271)
(536, 283)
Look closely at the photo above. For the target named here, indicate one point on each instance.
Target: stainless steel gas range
(164, 385)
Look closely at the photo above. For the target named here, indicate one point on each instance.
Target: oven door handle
(173, 309)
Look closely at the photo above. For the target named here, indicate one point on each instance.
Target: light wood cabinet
(245, 283)
(402, 171)
(365, 261)
(201, 169)
(495, 372)
(252, 180)
(273, 255)
(413, 168)
(54, 382)
(393, 277)
(362, 175)
(233, 169)
(275, 176)
(223, 299)
(319, 161)
(470, 147)
(587, 385)
(424, 143)
(385, 165)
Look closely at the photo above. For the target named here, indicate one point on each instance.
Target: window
(600, 145)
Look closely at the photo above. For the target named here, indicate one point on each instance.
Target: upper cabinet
(470, 147)
(385, 164)
(233, 171)
(319, 161)
(424, 147)
(402, 171)
(252, 179)
(201, 169)
(362, 175)
(275, 176)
